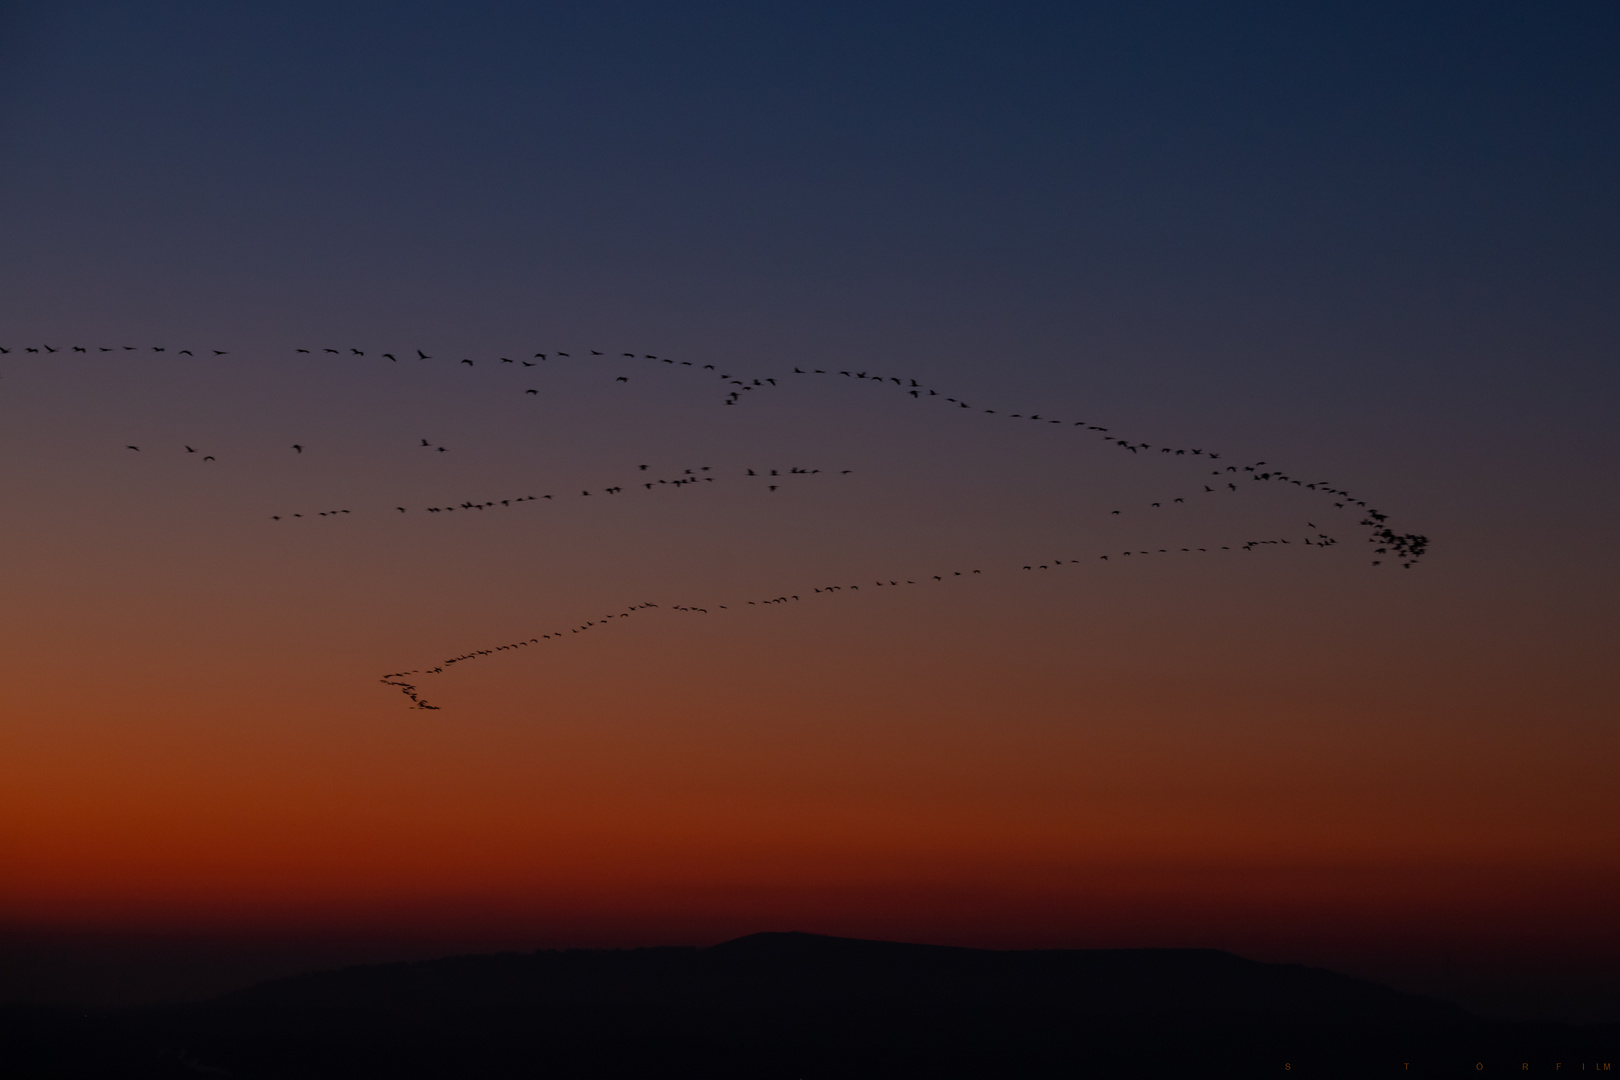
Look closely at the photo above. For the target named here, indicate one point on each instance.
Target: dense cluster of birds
(1387, 544)
(413, 690)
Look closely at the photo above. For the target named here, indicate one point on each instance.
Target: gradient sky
(1370, 243)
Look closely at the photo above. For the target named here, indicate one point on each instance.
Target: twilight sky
(1371, 244)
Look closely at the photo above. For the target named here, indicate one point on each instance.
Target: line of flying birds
(413, 690)
(1406, 548)
(686, 479)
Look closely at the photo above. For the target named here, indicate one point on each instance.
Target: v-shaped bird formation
(1213, 479)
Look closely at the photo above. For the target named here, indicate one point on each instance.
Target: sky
(1371, 246)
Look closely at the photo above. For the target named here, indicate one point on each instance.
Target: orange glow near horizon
(1284, 752)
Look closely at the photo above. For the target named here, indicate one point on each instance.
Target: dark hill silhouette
(801, 1005)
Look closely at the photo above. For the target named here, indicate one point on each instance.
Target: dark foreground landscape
(799, 1005)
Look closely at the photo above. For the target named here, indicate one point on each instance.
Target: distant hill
(787, 1005)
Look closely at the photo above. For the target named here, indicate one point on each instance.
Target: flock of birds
(413, 690)
(1388, 545)
(687, 478)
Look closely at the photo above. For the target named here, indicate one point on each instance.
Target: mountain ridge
(795, 1005)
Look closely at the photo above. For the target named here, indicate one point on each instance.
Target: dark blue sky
(1320, 222)
(1178, 176)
